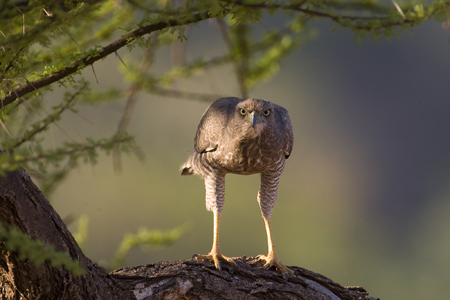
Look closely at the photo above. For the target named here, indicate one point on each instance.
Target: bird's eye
(242, 111)
(266, 112)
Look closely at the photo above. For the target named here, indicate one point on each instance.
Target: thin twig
(105, 51)
(81, 116)
(132, 100)
(83, 140)
(69, 36)
(6, 129)
(95, 75)
(238, 66)
(400, 11)
(52, 139)
(51, 120)
(117, 55)
(64, 153)
(184, 94)
(23, 20)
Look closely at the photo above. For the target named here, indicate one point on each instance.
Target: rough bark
(23, 206)
(190, 279)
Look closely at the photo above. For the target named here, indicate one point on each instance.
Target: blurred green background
(364, 198)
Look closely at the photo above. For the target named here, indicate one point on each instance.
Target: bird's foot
(272, 260)
(216, 256)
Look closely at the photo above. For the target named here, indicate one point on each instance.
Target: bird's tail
(187, 169)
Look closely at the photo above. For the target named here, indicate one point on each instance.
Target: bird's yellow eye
(242, 111)
(266, 112)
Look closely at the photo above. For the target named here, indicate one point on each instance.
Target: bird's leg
(271, 259)
(215, 255)
(267, 196)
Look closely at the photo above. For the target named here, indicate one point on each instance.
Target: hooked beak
(254, 118)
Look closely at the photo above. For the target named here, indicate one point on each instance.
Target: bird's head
(254, 114)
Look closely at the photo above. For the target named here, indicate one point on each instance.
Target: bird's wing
(285, 129)
(212, 126)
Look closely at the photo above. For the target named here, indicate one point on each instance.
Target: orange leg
(271, 259)
(215, 255)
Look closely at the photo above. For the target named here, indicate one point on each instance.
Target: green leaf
(36, 251)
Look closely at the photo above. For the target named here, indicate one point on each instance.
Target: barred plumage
(241, 137)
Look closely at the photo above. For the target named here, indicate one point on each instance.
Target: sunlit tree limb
(90, 59)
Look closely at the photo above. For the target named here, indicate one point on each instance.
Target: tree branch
(105, 51)
(190, 279)
(349, 21)
(127, 113)
(342, 19)
(50, 119)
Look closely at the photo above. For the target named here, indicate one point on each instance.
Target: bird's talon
(216, 257)
(272, 260)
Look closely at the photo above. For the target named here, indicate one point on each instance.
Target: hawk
(241, 137)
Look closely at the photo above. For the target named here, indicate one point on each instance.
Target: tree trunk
(23, 206)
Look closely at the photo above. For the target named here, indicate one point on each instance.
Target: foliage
(36, 251)
(81, 235)
(48, 42)
(44, 43)
(71, 153)
(145, 239)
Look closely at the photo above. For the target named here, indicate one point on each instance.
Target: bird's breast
(249, 157)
